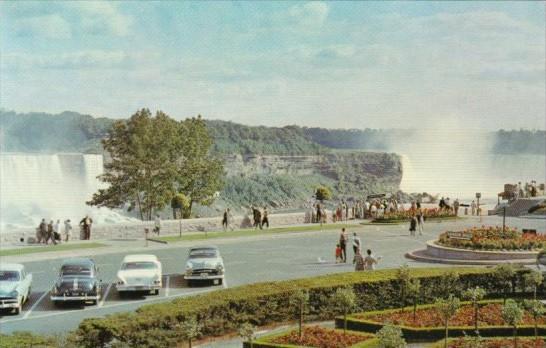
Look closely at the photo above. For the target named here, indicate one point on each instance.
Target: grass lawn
(253, 232)
(49, 248)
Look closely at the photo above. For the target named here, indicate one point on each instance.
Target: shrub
(390, 337)
(27, 339)
(223, 311)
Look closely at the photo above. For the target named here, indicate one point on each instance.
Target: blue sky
(330, 64)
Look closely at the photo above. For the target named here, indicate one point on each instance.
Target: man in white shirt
(57, 230)
(356, 245)
(370, 261)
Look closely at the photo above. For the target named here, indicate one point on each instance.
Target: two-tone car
(77, 282)
(15, 286)
(204, 263)
(139, 273)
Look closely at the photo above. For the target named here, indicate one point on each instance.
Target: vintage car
(78, 282)
(204, 263)
(139, 273)
(15, 285)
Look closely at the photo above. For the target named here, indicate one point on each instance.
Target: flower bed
(494, 238)
(405, 216)
(489, 315)
(429, 326)
(317, 337)
(497, 342)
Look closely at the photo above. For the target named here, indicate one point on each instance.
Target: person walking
(413, 225)
(86, 224)
(50, 234)
(257, 218)
(42, 232)
(473, 207)
(356, 246)
(343, 244)
(359, 261)
(157, 224)
(420, 220)
(456, 205)
(225, 220)
(319, 213)
(67, 229)
(370, 261)
(57, 230)
(265, 218)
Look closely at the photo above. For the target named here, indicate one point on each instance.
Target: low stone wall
(168, 227)
(440, 251)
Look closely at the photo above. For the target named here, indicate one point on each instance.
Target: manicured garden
(320, 337)
(497, 342)
(494, 238)
(405, 216)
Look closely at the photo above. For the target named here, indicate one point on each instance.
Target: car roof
(80, 261)
(11, 267)
(140, 258)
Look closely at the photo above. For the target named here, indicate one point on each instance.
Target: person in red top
(338, 254)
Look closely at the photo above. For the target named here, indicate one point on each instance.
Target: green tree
(505, 274)
(179, 203)
(447, 308)
(537, 310)
(190, 330)
(200, 173)
(535, 279)
(414, 292)
(323, 193)
(246, 331)
(344, 300)
(512, 314)
(403, 276)
(300, 300)
(141, 165)
(475, 295)
(390, 337)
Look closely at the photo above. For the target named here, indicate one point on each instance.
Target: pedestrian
(257, 218)
(319, 213)
(57, 230)
(456, 205)
(473, 207)
(370, 261)
(86, 223)
(413, 225)
(67, 229)
(265, 218)
(343, 244)
(420, 221)
(50, 234)
(356, 245)
(225, 220)
(157, 224)
(42, 232)
(359, 261)
(338, 254)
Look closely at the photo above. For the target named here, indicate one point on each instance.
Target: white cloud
(101, 17)
(73, 60)
(310, 14)
(51, 26)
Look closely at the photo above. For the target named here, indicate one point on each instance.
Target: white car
(204, 263)
(15, 286)
(139, 273)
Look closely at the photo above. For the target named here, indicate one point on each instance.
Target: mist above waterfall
(457, 161)
(50, 186)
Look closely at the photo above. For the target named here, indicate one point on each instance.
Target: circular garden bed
(493, 239)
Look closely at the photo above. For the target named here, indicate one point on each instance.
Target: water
(50, 186)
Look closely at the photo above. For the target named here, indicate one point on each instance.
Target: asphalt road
(247, 260)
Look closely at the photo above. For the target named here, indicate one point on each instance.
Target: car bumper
(75, 298)
(142, 287)
(9, 305)
(204, 277)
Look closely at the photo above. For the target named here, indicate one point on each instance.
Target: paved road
(247, 260)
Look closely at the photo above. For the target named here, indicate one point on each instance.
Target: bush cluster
(494, 238)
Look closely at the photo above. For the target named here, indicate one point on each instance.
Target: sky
(329, 64)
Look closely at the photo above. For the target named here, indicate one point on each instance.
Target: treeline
(520, 141)
(74, 132)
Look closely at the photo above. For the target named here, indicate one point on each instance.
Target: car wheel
(18, 309)
(190, 283)
(156, 292)
(121, 294)
(57, 303)
(220, 281)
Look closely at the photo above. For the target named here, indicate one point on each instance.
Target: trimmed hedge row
(420, 334)
(440, 343)
(223, 311)
(265, 342)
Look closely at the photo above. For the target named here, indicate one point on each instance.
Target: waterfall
(50, 186)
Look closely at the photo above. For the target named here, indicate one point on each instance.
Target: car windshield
(138, 265)
(9, 276)
(76, 270)
(203, 253)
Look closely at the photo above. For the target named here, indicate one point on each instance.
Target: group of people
(361, 262)
(54, 231)
(260, 217)
(528, 190)
(445, 204)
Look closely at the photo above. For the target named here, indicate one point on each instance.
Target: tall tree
(199, 174)
(142, 164)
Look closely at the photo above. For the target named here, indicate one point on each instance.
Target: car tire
(18, 309)
(190, 283)
(122, 294)
(220, 281)
(57, 303)
(156, 292)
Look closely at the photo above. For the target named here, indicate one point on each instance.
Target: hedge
(22, 339)
(223, 311)
(265, 342)
(420, 334)
(440, 343)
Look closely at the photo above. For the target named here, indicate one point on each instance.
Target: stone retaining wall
(168, 227)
